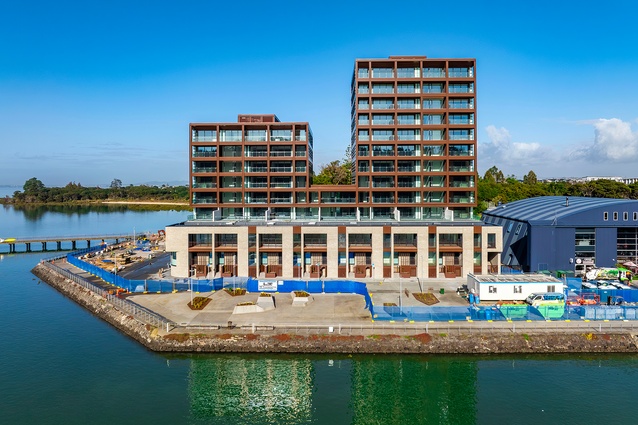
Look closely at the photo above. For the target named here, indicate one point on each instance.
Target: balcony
(382, 122)
(256, 200)
(461, 72)
(408, 105)
(204, 154)
(280, 153)
(407, 169)
(407, 199)
(204, 185)
(382, 168)
(280, 169)
(260, 153)
(462, 168)
(204, 169)
(466, 184)
(382, 137)
(382, 152)
(257, 185)
(461, 152)
(252, 138)
(209, 200)
(383, 199)
(383, 184)
(281, 200)
(281, 185)
(337, 200)
(381, 106)
(256, 169)
(408, 73)
(300, 169)
(407, 152)
(462, 199)
(433, 73)
(382, 73)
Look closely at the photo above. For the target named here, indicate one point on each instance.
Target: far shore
(146, 202)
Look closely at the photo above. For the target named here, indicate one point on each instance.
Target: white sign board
(267, 285)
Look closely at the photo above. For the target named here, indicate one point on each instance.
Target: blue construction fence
(209, 285)
(574, 288)
(494, 313)
(149, 285)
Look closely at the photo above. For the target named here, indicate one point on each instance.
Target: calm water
(61, 365)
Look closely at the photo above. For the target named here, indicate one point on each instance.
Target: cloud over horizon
(614, 143)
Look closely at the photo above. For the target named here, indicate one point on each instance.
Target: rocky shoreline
(238, 341)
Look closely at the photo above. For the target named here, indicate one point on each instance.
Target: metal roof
(515, 278)
(553, 209)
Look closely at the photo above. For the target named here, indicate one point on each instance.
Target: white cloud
(501, 150)
(615, 143)
(614, 140)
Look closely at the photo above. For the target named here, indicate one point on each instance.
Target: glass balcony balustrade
(280, 169)
(433, 73)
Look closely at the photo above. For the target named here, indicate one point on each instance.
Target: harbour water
(61, 365)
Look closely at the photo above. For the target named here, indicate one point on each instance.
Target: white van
(545, 298)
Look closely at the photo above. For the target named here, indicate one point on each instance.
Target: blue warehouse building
(573, 233)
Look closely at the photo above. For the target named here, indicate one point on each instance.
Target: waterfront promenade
(339, 313)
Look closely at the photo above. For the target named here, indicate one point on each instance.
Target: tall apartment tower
(257, 168)
(413, 139)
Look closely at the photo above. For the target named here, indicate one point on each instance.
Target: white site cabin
(511, 287)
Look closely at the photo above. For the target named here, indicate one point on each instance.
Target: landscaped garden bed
(236, 291)
(426, 298)
(199, 303)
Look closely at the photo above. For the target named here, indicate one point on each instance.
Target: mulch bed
(199, 303)
(426, 298)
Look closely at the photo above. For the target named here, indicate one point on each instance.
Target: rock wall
(238, 341)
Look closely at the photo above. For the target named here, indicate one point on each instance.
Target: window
(492, 289)
(491, 240)
(518, 228)
(625, 216)
(605, 216)
(509, 228)
(551, 288)
(615, 216)
(635, 216)
(518, 289)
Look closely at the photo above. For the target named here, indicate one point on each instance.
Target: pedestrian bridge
(62, 243)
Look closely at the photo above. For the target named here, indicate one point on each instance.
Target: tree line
(34, 191)
(494, 187)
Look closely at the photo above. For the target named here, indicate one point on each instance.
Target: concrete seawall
(242, 341)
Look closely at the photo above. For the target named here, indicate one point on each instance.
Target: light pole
(190, 281)
(400, 292)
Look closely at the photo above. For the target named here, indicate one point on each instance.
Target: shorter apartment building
(310, 250)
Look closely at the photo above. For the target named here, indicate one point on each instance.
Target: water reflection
(37, 212)
(251, 390)
(363, 390)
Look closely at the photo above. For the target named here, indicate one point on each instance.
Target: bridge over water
(70, 242)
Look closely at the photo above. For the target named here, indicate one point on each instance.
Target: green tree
(530, 178)
(32, 187)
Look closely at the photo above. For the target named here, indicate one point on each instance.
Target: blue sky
(92, 91)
